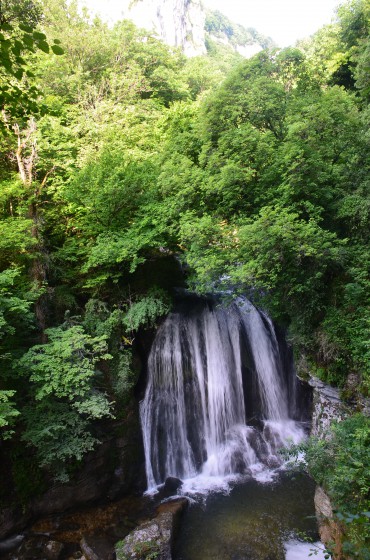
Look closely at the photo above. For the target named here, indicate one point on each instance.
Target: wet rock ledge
(154, 538)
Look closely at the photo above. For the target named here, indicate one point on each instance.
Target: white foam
(298, 550)
(203, 485)
(266, 476)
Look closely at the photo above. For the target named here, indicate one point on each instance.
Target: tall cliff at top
(189, 25)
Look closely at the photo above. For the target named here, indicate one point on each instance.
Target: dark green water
(251, 523)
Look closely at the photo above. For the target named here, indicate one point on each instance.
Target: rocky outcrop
(329, 529)
(179, 23)
(327, 407)
(94, 548)
(182, 23)
(154, 538)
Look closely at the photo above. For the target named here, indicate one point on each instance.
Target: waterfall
(217, 401)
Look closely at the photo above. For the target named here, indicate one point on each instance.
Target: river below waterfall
(254, 521)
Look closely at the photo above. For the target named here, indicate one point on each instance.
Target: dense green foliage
(340, 463)
(123, 153)
(275, 200)
(19, 38)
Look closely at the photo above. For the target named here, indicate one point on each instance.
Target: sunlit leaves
(14, 304)
(63, 374)
(65, 366)
(13, 44)
(8, 412)
(17, 42)
(146, 310)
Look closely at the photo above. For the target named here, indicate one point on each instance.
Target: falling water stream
(221, 400)
(219, 403)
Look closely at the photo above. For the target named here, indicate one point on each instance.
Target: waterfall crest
(218, 402)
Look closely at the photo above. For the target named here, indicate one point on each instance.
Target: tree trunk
(26, 155)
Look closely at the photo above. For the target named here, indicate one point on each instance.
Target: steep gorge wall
(179, 23)
(182, 23)
(327, 407)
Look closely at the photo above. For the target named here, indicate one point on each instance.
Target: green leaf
(6, 44)
(57, 50)
(39, 36)
(20, 60)
(25, 28)
(6, 62)
(28, 40)
(16, 50)
(6, 26)
(18, 44)
(43, 45)
(19, 74)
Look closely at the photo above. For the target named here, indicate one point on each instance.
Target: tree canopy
(119, 154)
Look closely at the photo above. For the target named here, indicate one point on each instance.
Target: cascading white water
(194, 416)
(265, 350)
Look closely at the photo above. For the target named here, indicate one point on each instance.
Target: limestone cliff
(189, 25)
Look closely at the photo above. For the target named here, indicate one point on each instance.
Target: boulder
(154, 538)
(96, 548)
(170, 487)
(53, 549)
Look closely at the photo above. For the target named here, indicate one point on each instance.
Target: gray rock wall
(179, 23)
(327, 407)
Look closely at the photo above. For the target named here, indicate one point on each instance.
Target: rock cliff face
(329, 529)
(178, 23)
(327, 407)
(185, 24)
